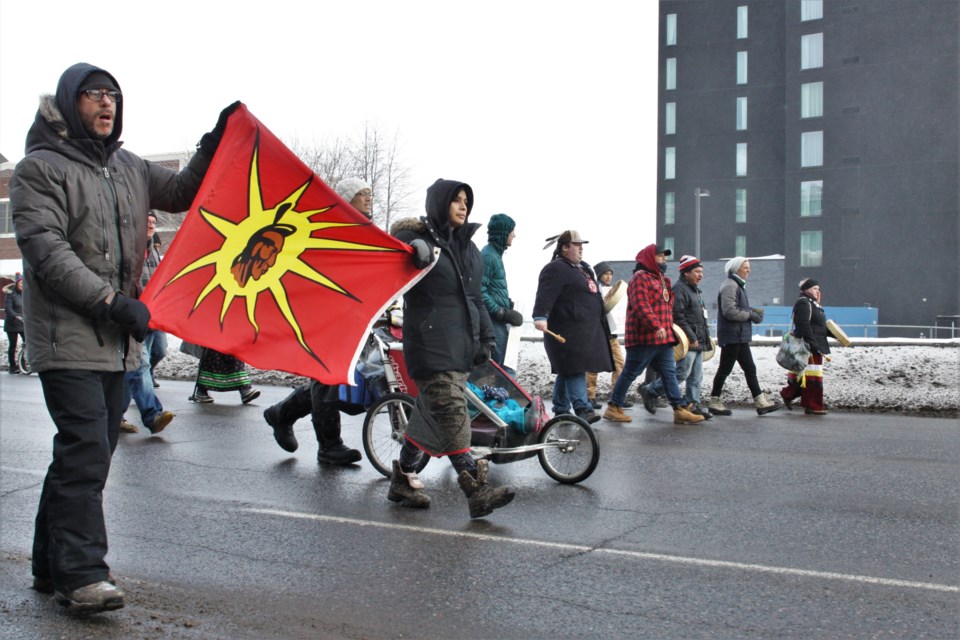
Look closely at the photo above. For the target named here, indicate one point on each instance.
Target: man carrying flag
(79, 204)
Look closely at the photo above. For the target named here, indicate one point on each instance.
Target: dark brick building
(823, 130)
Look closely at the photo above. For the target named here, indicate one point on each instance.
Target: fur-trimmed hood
(415, 225)
(57, 117)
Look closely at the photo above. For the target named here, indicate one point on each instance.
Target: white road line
(639, 555)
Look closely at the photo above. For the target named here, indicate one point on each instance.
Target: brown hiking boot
(616, 414)
(128, 427)
(160, 422)
(682, 415)
(482, 498)
(407, 489)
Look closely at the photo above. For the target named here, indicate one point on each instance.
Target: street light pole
(697, 194)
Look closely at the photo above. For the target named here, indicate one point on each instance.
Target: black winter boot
(407, 489)
(326, 424)
(483, 498)
(282, 427)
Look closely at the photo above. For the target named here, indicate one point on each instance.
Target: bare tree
(370, 156)
(397, 189)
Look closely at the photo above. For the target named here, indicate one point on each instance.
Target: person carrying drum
(690, 314)
(607, 289)
(649, 338)
(810, 323)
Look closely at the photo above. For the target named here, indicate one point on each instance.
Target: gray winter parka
(733, 320)
(79, 212)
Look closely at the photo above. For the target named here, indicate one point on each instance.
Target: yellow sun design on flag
(263, 247)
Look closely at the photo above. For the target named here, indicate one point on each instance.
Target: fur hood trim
(52, 115)
(408, 224)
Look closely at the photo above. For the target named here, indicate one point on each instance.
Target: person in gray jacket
(78, 203)
(734, 333)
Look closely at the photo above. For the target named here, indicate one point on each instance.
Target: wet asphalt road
(785, 526)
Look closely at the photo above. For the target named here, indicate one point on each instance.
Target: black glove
(131, 314)
(485, 353)
(756, 315)
(422, 253)
(513, 317)
(210, 141)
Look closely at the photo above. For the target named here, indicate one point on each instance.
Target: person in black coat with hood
(810, 323)
(446, 332)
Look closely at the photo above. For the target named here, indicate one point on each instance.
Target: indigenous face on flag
(273, 266)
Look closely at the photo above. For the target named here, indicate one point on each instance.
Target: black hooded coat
(444, 318)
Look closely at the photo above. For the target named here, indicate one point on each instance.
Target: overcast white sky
(548, 109)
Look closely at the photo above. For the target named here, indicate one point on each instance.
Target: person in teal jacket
(496, 295)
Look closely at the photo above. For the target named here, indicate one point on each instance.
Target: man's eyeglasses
(97, 95)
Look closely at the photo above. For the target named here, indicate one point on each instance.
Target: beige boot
(616, 414)
(682, 415)
(764, 405)
(717, 408)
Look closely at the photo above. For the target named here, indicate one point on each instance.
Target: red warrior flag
(273, 267)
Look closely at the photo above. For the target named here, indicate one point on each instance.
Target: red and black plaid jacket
(647, 310)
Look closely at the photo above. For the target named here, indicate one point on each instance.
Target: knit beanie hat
(348, 188)
(688, 262)
(601, 268)
(499, 228)
(733, 265)
(98, 80)
(807, 283)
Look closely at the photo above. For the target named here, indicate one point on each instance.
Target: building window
(741, 22)
(740, 248)
(811, 51)
(741, 114)
(669, 207)
(741, 158)
(671, 34)
(741, 206)
(669, 163)
(741, 67)
(811, 149)
(668, 245)
(811, 198)
(811, 10)
(671, 74)
(811, 100)
(6, 224)
(670, 118)
(811, 248)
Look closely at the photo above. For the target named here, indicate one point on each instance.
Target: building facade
(822, 130)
